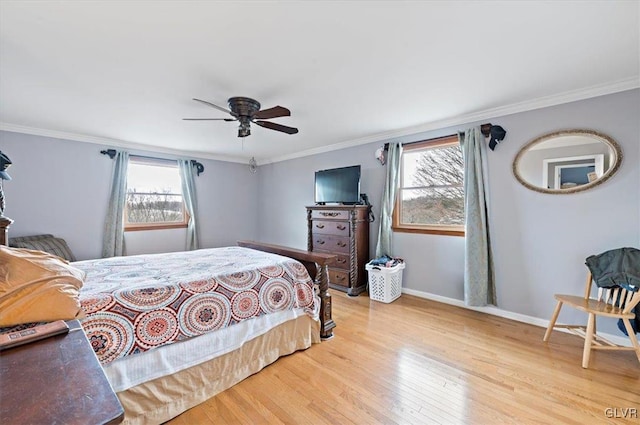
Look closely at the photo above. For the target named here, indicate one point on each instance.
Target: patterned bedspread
(134, 304)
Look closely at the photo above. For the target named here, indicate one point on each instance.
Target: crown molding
(530, 105)
(542, 102)
(115, 143)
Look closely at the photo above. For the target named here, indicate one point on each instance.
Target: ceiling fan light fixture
(244, 129)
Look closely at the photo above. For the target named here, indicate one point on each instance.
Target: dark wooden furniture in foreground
(343, 231)
(56, 380)
(317, 265)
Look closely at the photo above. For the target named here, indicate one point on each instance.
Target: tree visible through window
(431, 193)
(154, 195)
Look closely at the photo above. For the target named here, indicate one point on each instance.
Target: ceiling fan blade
(220, 108)
(277, 127)
(275, 112)
(209, 119)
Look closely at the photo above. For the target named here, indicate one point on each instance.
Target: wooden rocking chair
(615, 302)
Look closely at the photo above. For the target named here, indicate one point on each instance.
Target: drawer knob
(340, 277)
(320, 242)
(341, 244)
(320, 226)
(342, 260)
(329, 214)
(341, 226)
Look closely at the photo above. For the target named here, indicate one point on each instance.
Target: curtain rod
(112, 154)
(485, 129)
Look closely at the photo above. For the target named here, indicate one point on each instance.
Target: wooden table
(57, 380)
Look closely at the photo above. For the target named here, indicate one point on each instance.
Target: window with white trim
(154, 195)
(430, 196)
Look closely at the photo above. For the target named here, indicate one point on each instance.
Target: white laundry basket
(385, 283)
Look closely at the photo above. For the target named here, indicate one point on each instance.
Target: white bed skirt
(133, 370)
(158, 400)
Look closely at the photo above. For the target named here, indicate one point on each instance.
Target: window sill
(431, 230)
(160, 226)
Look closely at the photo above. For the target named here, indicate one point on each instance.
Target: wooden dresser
(343, 231)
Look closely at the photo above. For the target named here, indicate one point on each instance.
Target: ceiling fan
(247, 111)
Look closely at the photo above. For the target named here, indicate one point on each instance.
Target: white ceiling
(123, 73)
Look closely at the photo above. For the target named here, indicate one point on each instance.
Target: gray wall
(540, 241)
(62, 187)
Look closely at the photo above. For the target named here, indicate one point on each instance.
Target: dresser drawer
(328, 227)
(334, 214)
(331, 243)
(339, 277)
(342, 261)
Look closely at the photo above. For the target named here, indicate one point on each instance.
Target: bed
(172, 330)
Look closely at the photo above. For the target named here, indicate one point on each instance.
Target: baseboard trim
(495, 311)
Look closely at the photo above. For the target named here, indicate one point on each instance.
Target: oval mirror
(567, 161)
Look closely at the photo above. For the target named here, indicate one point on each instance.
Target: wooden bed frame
(317, 266)
(5, 223)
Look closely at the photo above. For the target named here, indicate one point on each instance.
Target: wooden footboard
(317, 266)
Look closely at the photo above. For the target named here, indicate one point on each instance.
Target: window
(431, 193)
(154, 195)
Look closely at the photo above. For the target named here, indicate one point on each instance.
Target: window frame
(160, 225)
(432, 229)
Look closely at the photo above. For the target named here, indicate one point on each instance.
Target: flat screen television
(338, 185)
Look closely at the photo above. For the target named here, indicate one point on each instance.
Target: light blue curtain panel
(189, 195)
(385, 233)
(479, 286)
(113, 243)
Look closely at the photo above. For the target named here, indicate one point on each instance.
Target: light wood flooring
(416, 361)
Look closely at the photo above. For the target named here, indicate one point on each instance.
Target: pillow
(46, 243)
(37, 287)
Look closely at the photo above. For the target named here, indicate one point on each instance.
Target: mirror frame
(572, 132)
